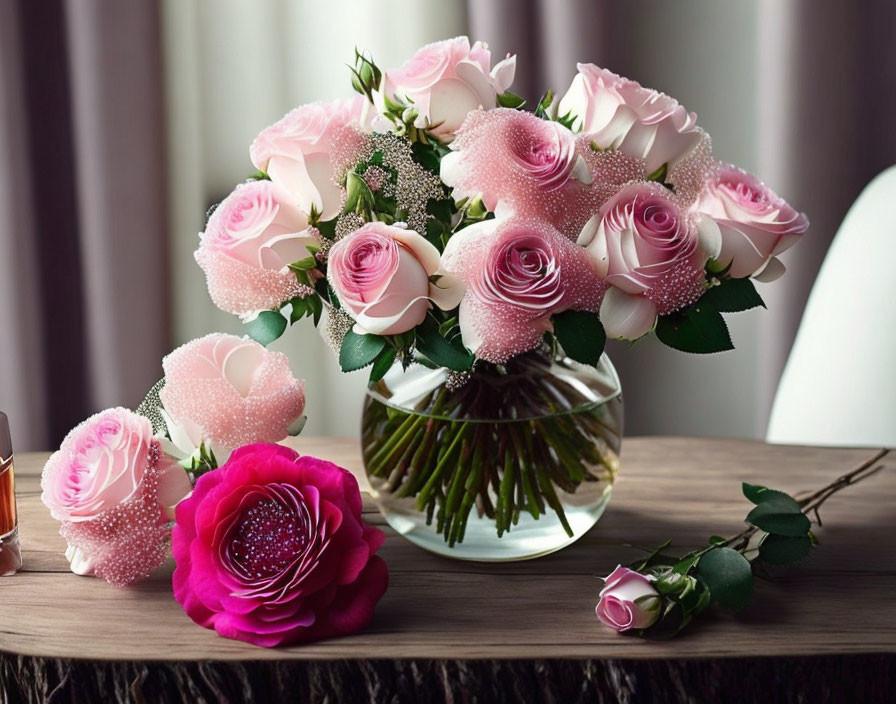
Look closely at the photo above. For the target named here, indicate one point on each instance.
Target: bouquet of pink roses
(434, 220)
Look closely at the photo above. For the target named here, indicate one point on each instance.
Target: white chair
(839, 385)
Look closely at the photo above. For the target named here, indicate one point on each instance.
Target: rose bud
(628, 601)
(248, 243)
(386, 278)
(651, 254)
(445, 81)
(615, 112)
(755, 223)
(110, 486)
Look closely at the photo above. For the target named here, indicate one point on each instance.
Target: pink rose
(110, 486)
(298, 152)
(271, 549)
(651, 253)
(532, 166)
(226, 391)
(446, 80)
(628, 601)
(250, 239)
(518, 273)
(386, 277)
(756, 224)
(617, 113)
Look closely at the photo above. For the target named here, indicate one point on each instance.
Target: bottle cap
(5, 440)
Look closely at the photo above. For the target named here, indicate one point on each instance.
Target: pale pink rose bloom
(297, 151)
(628, 601)
(756, 224)
(110, 485)
(518, 273)
(387, 277)
(615, 112)
(228, 391)
(651, 253)
(532, 166)
(445, 81)
(248, 243)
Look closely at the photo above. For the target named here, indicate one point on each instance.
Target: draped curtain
(121, 123)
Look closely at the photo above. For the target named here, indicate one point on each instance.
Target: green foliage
(511, 100)
(358, 196)
(382, 363)
(699, 329)
(728, 576)
(660, 174)
(781, 515)
(733, 296)
(307, 306)
(266, 327)
(784, 549)
(439, 350)
(358, 351)
(327, 229)
(581, 335)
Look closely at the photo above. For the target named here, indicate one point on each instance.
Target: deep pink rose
(533, 167)
(248, 243)
(518, 272)
(446, 80)
(271, 549)
(617, 113)
(298, 151)
(226, 391)
(651, 253)
(110, 486)
(386, 277)
(628, 601)
(756, 224)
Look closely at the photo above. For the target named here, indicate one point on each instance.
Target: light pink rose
(617, 113)
(386, 277)
(518, 272)
(756, 224)
(651, 254)
(248, 243)
(628, 601)
(532, 166)
(110, 485)
(298, 152)
(446, 80)
(226, 391)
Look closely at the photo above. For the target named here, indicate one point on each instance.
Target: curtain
(799, 92)
(84, 311)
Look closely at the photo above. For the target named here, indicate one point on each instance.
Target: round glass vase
(508, 462)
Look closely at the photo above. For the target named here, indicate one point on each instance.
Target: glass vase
(507, 462)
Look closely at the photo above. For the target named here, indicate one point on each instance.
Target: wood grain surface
(839, 603)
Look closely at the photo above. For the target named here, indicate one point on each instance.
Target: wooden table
(459, 631)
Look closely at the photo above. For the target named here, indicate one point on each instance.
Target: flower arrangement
(433, 220)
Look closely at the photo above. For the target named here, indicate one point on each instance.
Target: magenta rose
(518, 273)
(110, 485)
(756, 224)
(300, 152)
(533, 167)
(271, 549)
(445, 81)
(651, 254)
(226, 391)
(628, 601)
(248, 243)
(386, 278)
(615, 112)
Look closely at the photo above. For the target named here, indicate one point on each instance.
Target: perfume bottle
(10, 555)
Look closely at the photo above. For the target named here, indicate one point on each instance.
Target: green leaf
(784, 549)
(305, 264)
(382, 363)
(266, 327)
(358, 351)
(357, 193)
(544, 105)
(581, 335)
(299, 310)
(733, 296)
(660, 174)
(327, 229)
(699, 329)
(781, 515)
(451, 355)
(511, 100)
(760, 494)
(728, 576)
(260, 176)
